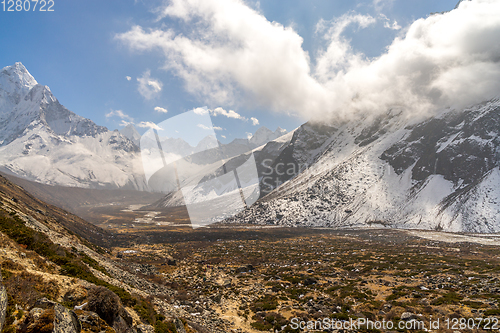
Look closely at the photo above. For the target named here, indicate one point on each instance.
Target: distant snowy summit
(15, 83)
(263, 135)
(132, 134)
(179, 146)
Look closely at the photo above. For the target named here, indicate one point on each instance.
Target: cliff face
(441, 173)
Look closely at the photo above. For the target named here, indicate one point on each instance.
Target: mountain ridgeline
(381, 171)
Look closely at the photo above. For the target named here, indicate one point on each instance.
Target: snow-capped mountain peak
(206, 143)
(16, 78)
(42, 140)
(15, 84)
(25, 104)
(264, 135)
(132, 134)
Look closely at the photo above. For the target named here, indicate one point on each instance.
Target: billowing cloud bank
(233, 53)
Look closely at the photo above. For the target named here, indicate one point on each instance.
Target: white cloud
(387, 23)
(121, 115)
(230, 114)
(237, 53)
(149, 87)
(249, 135)
(215, 128)
(339, 54)
(160, 109)
(444, 60)
(124, 123)
(393, 26)
(381, 4)
(449, 59)
(255, 121)
(148, 124)
(233, 53)
(201, 111)
(219, 111)
(127, 120)
(128, 78)
(203, 127)
(223, 136)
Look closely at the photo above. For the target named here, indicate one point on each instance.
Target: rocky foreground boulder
(48, 316)
(65, 321)
(3, 303)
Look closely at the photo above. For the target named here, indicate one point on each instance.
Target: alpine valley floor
(260, 278)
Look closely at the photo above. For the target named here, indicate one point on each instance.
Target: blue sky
(85, 50)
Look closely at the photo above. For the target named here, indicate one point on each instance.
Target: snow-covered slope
(440, 174)
(297, 149)
(43, 141)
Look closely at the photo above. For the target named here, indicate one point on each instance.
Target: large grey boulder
(179, 326)
(3, 303)
(406, 316)
(121, 326)
(145, 329)
(35, 314)
(64, 321)
(44, 303)
(91, 321)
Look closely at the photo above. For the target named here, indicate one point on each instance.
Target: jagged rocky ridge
(442, 174)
